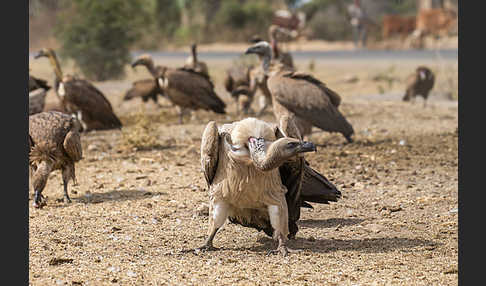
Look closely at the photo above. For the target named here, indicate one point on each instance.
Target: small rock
(92, 147)
(454, 210)
(374, 227)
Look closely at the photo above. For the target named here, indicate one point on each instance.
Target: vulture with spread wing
(301, 94)
(81, 98)
(258, 178)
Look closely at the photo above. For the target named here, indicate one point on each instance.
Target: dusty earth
(141, 198)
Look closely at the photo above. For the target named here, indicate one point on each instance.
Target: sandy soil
(141, 197)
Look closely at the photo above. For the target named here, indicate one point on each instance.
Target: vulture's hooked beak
(306, 147)
(251, 50)
(39, 54)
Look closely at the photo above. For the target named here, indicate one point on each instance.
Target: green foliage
(97, 35)
(168, 17)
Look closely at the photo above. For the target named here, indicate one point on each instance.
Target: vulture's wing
(93, 104)
(72, 144)
(209, 151)
(142, 88)
(317, 188)
(35, 83)
(200, 91)
(311, 100)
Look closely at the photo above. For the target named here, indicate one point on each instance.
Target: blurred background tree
(98, 35)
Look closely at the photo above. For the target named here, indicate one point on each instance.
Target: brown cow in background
(437, 22)
(396, 24)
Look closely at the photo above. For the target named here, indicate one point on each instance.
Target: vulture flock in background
(256, 171)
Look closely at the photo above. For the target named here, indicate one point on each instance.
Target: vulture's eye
(292, 144)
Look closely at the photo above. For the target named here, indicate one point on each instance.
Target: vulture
(237, 83)
(420, 83)
(258, 79)
(54, 144)
(301, 95)
(184, 87)
(145, 89)
(193, 63)
(81, 98)
(257, 177)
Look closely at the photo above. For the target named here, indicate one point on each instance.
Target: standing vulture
(237, 83)
(258, 78)
(192, 62)
(185, 88)
(54, 144)
(145, 89)
(81, 98)
(303, 96)
(420, 83)
(258, 178)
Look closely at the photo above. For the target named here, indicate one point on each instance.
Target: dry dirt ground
(141, 196)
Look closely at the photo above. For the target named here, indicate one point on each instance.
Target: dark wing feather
(317, 188)
(209, 151)
(35, 83)
(310, 100)
(199, 92)
(144, 88)
(72, 145)
(96, 109)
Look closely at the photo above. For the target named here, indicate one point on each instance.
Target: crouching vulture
(145, 89)
(184, 87)
(301, 94)
(420, 83)
(54, 144)
(258, 177)
(81, 98)
(237, 83)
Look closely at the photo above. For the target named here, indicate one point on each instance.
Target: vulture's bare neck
(269, 159)
(56, 66)
(266, 60)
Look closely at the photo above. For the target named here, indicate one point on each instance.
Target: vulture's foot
(39, 200)
(283, 250)
(206, 247)
(67, 200)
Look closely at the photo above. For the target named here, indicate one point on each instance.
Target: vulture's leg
(181, 115)
(39, 183)
(217, 216)
(67, 173)
(279, 221)
(425, 102)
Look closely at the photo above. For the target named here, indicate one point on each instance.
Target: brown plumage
(420, 83)
(185, 88)
(255, 172)
(35, 83)
(303, 96)
(81, 98)
(54, 144)
(192, 62)
(258, 78)
(237, 83)
(145, 89)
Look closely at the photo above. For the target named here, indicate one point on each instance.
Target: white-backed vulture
(145, 89)
(258, 78)
(81, 98)
(192, 62)
(258, 178)
(237, 83)
(185, 88)
(301, 95)
(420, 83)
(54, 144)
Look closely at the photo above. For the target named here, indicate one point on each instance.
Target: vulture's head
(144, 59)
(261, 48)
(44, 52)
(268, 155)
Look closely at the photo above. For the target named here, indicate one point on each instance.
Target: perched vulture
(301, 95)
(184, 87)
(54, 144)
(145, 89)
(237, 83)
(257, 177)
(192, 62)
(420, 83)
(81, 98)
